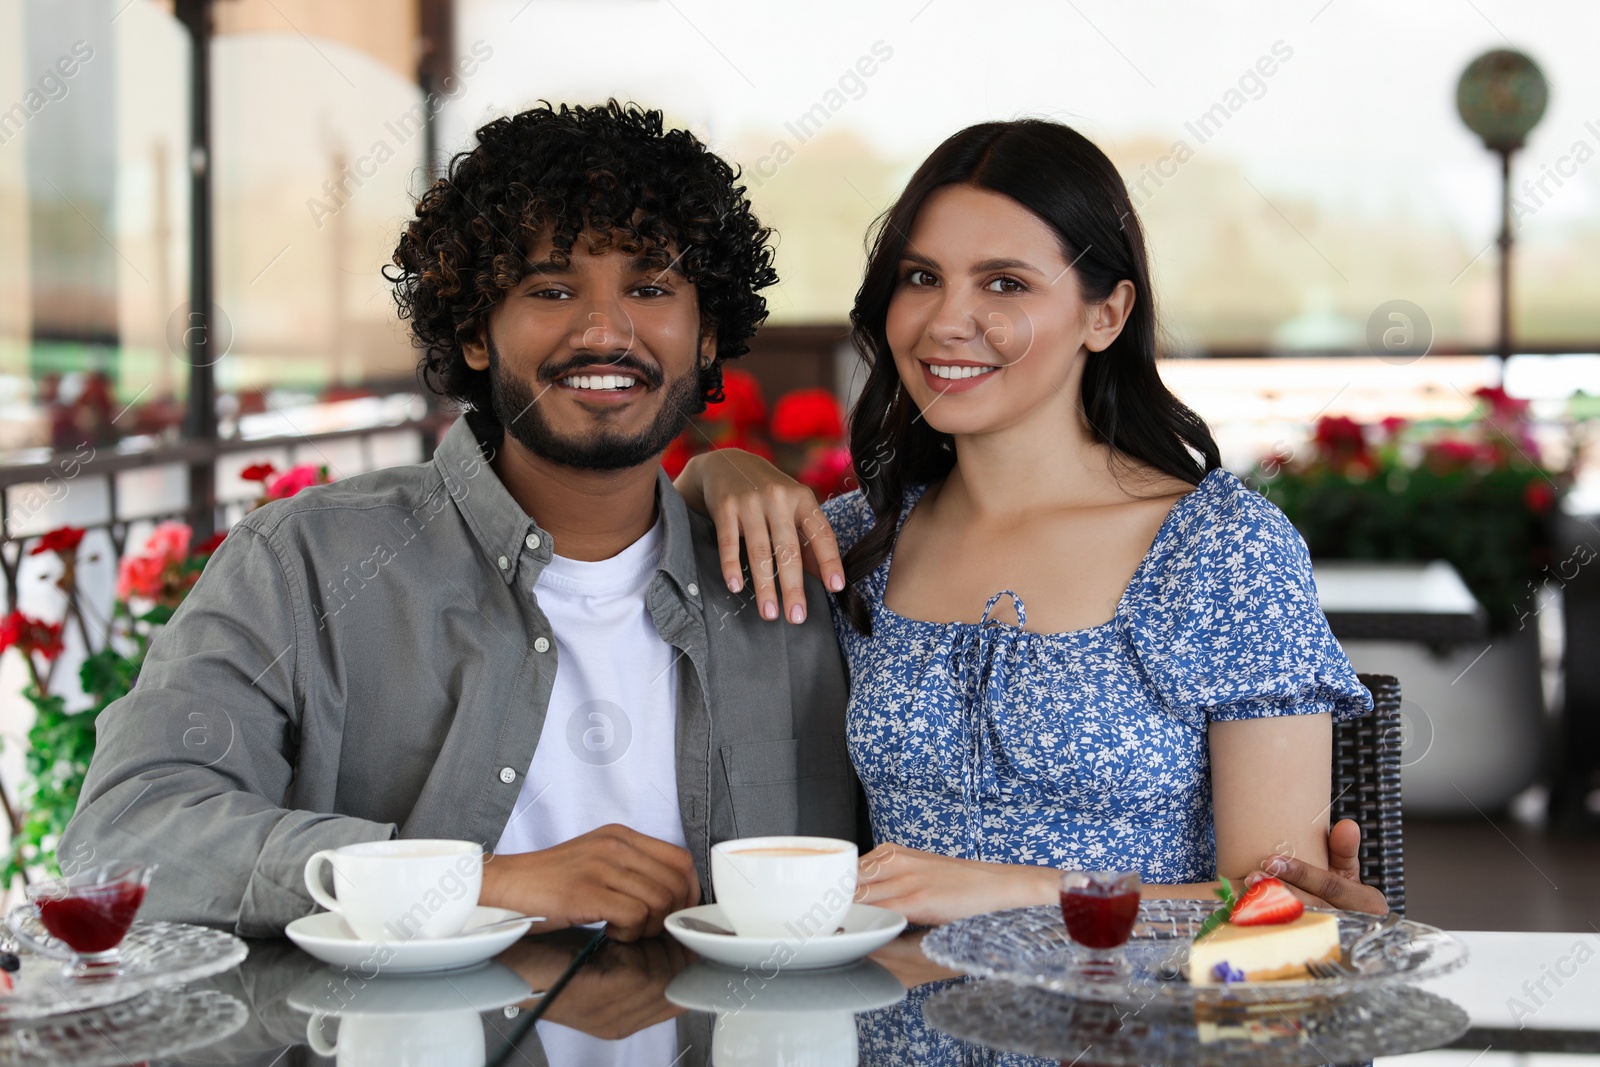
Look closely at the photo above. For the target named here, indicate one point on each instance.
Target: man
(523, 642)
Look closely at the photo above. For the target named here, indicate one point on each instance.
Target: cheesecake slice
(1265, 953)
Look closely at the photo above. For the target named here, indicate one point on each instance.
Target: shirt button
(541, 644)
(507, 775)
(694, 590)
(533, 541)
(504, 563)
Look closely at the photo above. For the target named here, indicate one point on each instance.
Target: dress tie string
(982, 778)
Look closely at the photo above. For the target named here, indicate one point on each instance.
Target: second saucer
(866, 929)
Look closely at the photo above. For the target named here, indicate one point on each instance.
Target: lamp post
(1501, 97)
(200, 422)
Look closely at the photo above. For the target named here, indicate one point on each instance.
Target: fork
(1338, 968)
(1328, 969)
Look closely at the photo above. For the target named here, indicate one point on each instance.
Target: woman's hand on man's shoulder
(778, 521)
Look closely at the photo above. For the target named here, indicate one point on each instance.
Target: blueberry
(10, 962)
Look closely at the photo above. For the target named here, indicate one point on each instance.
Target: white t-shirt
(654, 1046)
(608, 749)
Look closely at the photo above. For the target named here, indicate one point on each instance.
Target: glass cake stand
(154, 955)
(1391, 1021)
(1029, 946)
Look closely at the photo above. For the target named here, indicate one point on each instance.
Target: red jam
(1098, 919)
(93, 918)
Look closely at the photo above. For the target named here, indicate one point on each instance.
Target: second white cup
(784, 887)
(400, 890)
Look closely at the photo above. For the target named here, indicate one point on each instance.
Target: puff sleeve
(1226, 624)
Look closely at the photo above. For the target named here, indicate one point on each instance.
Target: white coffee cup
(400, 890)
(437, 1038)
(793, 888)
(794, 1039)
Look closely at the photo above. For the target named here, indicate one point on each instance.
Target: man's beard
(518, 411)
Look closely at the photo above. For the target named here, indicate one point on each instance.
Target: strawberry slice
(1267, 903)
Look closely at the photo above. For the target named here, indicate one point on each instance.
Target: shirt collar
(502, 528)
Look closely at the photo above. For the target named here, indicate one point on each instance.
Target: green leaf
(1220, 916)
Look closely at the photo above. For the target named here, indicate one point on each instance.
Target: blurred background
(197, 198)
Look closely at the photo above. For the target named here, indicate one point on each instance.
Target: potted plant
(1476, 492)
(151, 583)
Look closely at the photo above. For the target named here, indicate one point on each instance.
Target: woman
(1074, 640)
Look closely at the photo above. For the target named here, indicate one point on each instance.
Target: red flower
(30, 635)
(753, 445)
(808, 414)
(829, 474)
(155, 573)
(258, 472)
(1539, 496)
(1500, 402)
(139, 576)
(295, 479)
(1392, 425)
(742, 403)
(210, 544)
(1340, 438)
(675, 458)
(1448, 455)
(169, 542)
(63, 541)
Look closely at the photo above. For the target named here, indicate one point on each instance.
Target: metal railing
(50, 481)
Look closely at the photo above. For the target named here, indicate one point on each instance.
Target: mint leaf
(1220, 916)
(1214, 920)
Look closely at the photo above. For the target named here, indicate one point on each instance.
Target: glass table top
(578, 998)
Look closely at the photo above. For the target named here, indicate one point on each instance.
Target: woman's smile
(955, 376)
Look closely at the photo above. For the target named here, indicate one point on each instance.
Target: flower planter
(1473, 719)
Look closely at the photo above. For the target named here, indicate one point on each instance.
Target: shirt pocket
(798, 785)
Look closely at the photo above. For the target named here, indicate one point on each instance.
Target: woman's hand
(779, 520)
(1338, 885)
(903, 958)
(929, 889)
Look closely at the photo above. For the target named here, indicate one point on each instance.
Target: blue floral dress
(1087, 749)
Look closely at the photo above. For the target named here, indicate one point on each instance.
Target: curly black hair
(611, 170)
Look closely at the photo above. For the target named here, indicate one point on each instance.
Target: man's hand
(1338, 887)
(614, 875)
(616, 994)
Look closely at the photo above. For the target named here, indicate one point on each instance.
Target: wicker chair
(1366, 787)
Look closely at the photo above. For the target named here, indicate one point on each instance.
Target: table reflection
(653, 1003)
(431, 1019)
(797, 1017)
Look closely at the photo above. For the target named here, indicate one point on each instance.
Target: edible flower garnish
(1223, 972)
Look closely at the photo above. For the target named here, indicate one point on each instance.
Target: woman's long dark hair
(1059, 175)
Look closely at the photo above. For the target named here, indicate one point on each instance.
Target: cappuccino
(784, 887)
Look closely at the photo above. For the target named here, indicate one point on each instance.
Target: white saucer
(330, 992)
(866, 929)
(857, 987)
(326, 937)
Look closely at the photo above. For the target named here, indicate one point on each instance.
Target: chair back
(1366, 786)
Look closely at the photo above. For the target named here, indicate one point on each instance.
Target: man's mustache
(648, 373)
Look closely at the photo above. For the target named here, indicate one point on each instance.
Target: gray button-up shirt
(368, 659)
